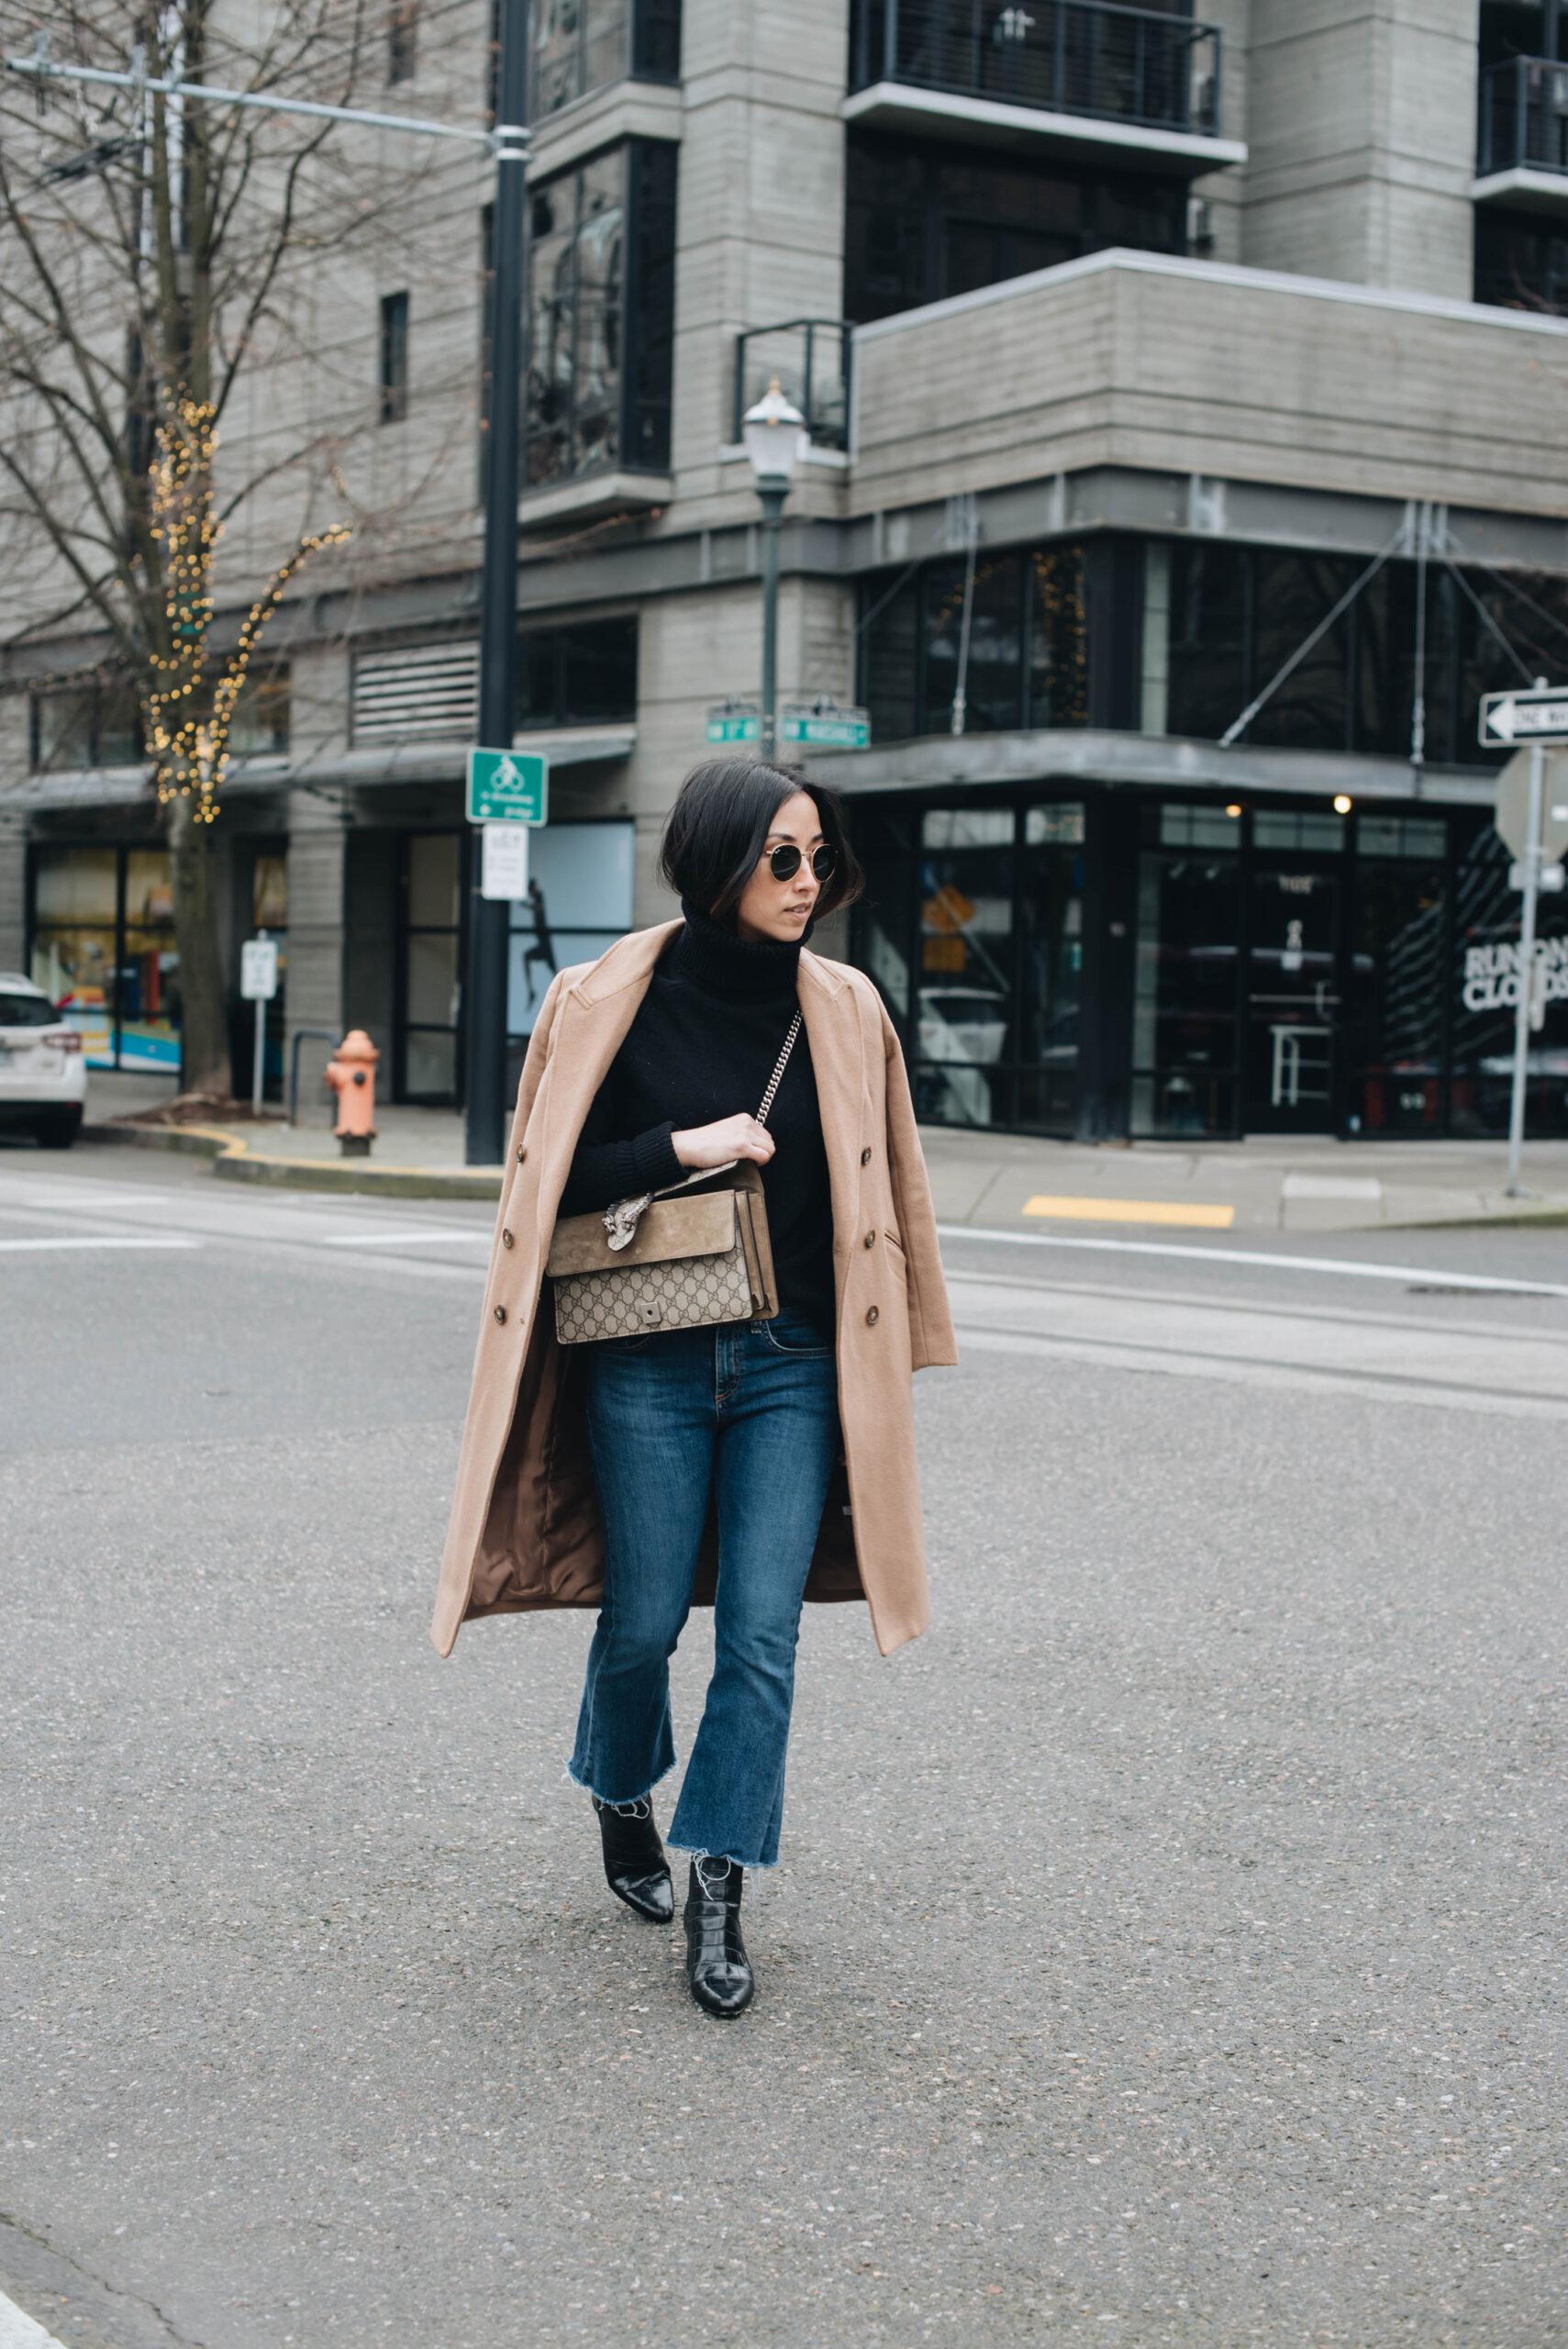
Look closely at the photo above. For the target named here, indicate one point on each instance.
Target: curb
(234, 1161)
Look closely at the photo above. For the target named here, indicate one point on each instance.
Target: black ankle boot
(635, 1865)
(717, 1968)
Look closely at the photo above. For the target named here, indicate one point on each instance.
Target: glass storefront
(973, 928)
(101, 931)
(429, 973)
(579, 902)
(1288, 969)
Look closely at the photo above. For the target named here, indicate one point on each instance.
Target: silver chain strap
(622, 1217)
(778, 1070)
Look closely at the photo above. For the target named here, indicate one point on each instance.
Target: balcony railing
(1524, 118)
(1081, 57)
(811, 358)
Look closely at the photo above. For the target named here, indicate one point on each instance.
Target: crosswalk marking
(1279, 1262)
(97, 1239)
(420, 1239)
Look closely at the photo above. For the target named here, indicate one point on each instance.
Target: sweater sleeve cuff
(653, 1160)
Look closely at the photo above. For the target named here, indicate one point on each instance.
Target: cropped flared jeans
(748, 1412)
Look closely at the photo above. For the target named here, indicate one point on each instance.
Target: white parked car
(962, 1023)
(43, 1077)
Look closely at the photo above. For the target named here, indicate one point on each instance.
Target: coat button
(501, 1313)
(871, 1315)
(506, 1239)
(871, 1237)
(522, 1151)
(865, 1156)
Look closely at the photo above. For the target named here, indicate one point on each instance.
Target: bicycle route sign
(508, 786)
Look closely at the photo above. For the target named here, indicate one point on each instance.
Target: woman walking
(746, 1462)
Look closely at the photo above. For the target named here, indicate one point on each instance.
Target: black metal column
(486, 1005)
(1113, 595)
(1110, 950)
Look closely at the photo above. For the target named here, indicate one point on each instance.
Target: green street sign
(722, 727)
(508, 786)
(831, 730)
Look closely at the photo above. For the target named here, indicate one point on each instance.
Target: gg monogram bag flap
(657, 1261)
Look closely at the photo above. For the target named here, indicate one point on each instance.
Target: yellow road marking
(1211, 1219)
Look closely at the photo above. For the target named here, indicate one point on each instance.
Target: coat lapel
(830, 1011)
(590, 1029)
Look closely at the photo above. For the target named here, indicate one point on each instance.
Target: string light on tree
(189, 744)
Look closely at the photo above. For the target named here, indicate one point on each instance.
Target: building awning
(1166, 763)
(385, 762)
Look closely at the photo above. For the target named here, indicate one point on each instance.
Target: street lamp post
(489, 919)
(776, 439)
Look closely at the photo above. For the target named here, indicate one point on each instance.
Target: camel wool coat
(524, 1531)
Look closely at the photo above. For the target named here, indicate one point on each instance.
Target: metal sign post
(1539, 717)
(259, 984)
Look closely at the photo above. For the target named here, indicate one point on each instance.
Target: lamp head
(776, 437)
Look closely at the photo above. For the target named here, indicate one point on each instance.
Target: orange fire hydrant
(351, 1075)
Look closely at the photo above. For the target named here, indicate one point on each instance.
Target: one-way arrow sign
(1527, 716)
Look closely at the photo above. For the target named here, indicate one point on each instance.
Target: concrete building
(1186, 396)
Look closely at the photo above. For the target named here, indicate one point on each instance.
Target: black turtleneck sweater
(703, 1046)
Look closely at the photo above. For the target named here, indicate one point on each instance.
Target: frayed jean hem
(699, 1851)
(570, 1777)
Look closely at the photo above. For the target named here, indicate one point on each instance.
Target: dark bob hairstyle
(714, 835)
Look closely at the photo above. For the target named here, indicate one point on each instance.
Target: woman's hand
(737, 1137)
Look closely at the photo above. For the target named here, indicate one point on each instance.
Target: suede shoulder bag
(655, 1261)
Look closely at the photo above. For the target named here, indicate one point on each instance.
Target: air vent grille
(420, 693)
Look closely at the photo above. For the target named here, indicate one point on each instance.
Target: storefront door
(1291, 1053)
(428, 1005)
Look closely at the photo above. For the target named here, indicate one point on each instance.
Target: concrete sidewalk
(1270, 1184)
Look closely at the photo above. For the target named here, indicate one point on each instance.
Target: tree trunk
(204, 1036)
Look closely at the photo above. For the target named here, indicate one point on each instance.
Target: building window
(260, 727)
(1186, 1018)
(580, 45)
(602, 293)
(580, 673)
(429, 966)
(1222, 620)
(925, 219)
(997, 949)
(102, 947)
(1027, 654)
(1521, 263)
(579, 903)
(100, 725)
(85, 726)
(393, 358)
(1482, 979)
(1394, 1011)
(402, 34)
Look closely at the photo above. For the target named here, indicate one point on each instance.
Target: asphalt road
(1168, 1948)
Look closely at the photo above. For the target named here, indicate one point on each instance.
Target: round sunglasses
(785, 860)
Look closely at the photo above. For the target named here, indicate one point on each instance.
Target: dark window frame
(640, 323)
(392, 359)
(650, 51)
(402, 40)
(555, 638)
(882, 590)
